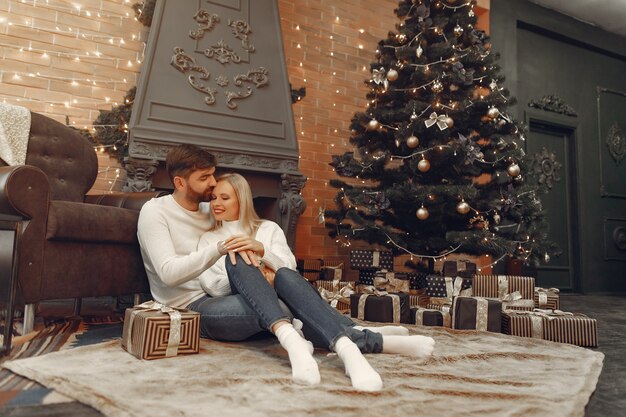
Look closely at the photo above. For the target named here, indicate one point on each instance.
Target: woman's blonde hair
(249, 219)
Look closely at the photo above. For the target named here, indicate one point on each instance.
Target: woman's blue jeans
(255, 306)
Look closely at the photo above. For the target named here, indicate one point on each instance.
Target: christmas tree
(438, 165)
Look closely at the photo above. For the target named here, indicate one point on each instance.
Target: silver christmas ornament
(392, 75)
(437, 86)
(463, 207)
(422, 213)
(546, 257)
(414, 117)
(458, 30)
(493, 112)
(423, 165)
(419, 51)
(513, 170)
(373, 124)
(412, 141)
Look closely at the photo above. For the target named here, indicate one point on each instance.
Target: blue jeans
(255, 306)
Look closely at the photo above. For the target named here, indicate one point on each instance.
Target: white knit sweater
(277, 253)
(169, 235)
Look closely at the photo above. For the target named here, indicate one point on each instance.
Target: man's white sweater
(169, 235)
(277, 253)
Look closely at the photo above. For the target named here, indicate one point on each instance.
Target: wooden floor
(609, 400)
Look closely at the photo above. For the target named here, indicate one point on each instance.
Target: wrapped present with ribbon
(153, 330)
(547, 298)
(371, 259)
(311, 269)
(415, 298)
(459, 268)
(366, 277)
(477, 313)
(514, 301)
(443, 289)
(431, 317)
(554, 325)
(498, 286)
(331, 270)
(391, 281)
(417, 280)
(338, 296)
(380, 306)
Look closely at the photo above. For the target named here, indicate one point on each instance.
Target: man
(169, 229)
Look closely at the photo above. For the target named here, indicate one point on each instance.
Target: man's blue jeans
(255, 306)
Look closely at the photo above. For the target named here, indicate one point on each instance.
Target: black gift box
(430, 317)
(311, 269)
(463, 269)
(366, 276)
(371, 259)
(417, 280)
(464, 314)
(436, 285)
(380, 308)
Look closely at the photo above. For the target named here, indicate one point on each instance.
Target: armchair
(57, 242)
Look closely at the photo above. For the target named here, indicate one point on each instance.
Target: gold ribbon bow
(515, 299)
(390, 283)
(538, 315)
(371, 290)
(380, 77)
(445, 313)
(453, 289)
(439, 120)
(543, 293)
(175, 319)
(334, 297)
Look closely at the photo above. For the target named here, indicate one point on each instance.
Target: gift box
(476, 313)
(547, 298)
(498, 286)
(311, 269)
(417, 280)
(553, 325)
(366, 276)
(464, 269)
(153, 330)
(443, 289)
(332, 270)
(414, 298)
(430, 317)
(381, 307)
(391, 281)
(371, 259)
(336, 293)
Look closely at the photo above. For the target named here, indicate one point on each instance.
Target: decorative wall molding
(553, 103)
(616, 142)
(139, 174)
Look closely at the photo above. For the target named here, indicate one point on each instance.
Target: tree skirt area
(470, 374)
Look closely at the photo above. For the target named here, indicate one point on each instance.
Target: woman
(252, 243)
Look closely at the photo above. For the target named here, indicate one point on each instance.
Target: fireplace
(214, 75)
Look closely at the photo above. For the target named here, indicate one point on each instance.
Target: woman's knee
(285, 276)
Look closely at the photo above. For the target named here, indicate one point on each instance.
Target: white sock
(303, 367)
(386, 330)
(362, 375)
(419, 346)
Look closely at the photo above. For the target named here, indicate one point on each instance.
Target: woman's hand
(249, 249)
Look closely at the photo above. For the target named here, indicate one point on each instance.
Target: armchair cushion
(80, 222)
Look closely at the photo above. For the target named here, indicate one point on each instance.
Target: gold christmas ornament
(392, 75)
(401, 37)
(453, 87)
(437, 86)
(463, 207)
(423, 165)
(513, 170)
(449, 121)
(373, 124)
(422, 213)
(493, 112)
(458, 30)
(412, 141)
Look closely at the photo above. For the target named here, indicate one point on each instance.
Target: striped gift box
(497, 286)
(547, 298)
(332, 285)
(151, 333)
(311, 269)
(553, 325)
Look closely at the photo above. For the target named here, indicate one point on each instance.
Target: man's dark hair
(182, 160)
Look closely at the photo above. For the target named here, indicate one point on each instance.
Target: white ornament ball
(373, 124)
(422, 213)
(449, 122)
(493, 112)
(513, 170)
(463, 207)
(423, 165)
(392, 75)
(412, 141)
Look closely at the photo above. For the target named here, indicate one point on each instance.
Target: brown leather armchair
(55, 241)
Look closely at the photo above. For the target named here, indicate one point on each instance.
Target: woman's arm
(277, 254)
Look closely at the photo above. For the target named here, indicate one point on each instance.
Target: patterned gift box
(153, 330)
(465, 269)
(381, 307)
(417, 280)
(366, 276)
(477, 313)
(332, 270)
(553, 325)
(311, 269)
(498, 286)
(430, 317)
(371, 259)
(336, 293)
(443, 289)
(547, 298)
(414, 298)
(391, 281)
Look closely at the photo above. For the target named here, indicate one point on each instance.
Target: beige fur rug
(470, 374)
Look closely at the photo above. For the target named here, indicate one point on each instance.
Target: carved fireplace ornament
(553, 103)
(224, 54)
(616, 142)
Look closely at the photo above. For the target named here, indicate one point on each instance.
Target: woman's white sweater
(277, 254)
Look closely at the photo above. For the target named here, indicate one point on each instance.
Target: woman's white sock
(418, 346)
(304, 369)
(362, 375)
(386, 330)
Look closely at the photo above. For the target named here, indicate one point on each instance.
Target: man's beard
(198, 197)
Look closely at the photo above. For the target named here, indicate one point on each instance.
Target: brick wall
(69, 62)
